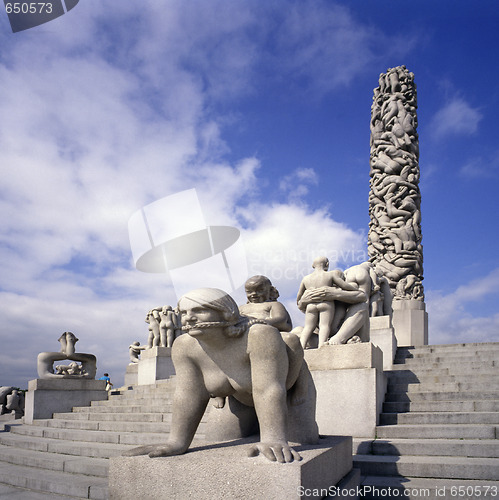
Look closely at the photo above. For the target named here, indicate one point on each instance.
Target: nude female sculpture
(226, 354)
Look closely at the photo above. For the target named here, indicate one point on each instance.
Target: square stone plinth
(350, 386)
(225, 471)
(48, 396)
(155, 364)
(382, 335)
(345, 356)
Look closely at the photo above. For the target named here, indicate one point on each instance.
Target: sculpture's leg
(356, 323)
(311, 320)
(326, 316)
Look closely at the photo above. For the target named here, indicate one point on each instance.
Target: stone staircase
(66, 457)
(438, 435)
(439, 430)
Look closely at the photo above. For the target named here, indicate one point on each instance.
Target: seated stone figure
(225, 354)
(262, 303)
(134, 349)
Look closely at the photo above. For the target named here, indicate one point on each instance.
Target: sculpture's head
(259, 289)
(166, 309)
(321, 262)
(207, 308)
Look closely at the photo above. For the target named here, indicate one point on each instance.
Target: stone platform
(225, 471)
(350, 387)
(48, 396)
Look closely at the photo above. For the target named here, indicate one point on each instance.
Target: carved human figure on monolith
(225, 354)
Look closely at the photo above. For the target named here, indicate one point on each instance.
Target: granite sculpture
(153, 320)
(321, 314)
(134, 350)
(350, 322)
(11, 401)
(163, 325)
(263, 304)
(394, 240)
(86, 369)
(226, 354)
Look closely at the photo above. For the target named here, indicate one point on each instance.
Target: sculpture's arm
(301, 291)
(189, 401)
(278, 316)
(269, 367)
(344, 285)
(328, 294)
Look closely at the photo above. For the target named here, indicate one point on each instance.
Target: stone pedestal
(382, 335)
(225, 471)
(48, 396)
(155, 364)
(350, 387)
(410, 322)
(132, 374)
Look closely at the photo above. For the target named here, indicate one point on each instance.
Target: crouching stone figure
(229, 355)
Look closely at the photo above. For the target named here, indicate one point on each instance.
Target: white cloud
(456, 117)
(449, 319)
(297, 184)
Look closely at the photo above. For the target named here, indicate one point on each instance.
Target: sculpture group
(82, 365)
(250, 361)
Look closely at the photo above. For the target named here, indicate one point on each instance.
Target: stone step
(454, 395)
(471, 368)
(52, 461)
(99, 425)
(57, 482)
(427, 466)
(121, 408)
(13, 492)
(479, 377)
(391, 487)
(436, 431)
(441, 406)
(157, 401)
(115, 416)
(78, 448)
(132, 438)
(484, 448)
(442, 418)
(434, 387)
(449, 348)
(440, 364)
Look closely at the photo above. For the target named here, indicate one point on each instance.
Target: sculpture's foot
(354, 340)
(218, 402)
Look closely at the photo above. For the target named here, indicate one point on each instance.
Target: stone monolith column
(394, 242)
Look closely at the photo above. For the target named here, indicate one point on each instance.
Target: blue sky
(264, 107)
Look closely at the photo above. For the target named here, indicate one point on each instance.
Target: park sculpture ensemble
(251, 358)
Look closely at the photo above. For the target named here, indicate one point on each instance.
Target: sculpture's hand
(275, 452)
(166, 450)
(155, 450)
(140, 450)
